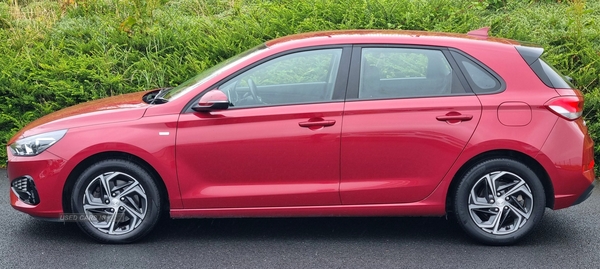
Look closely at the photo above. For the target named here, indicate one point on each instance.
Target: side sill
(412, 209)
(48, 219)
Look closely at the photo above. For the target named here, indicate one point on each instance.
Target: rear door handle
(323, 123)
(454, 117)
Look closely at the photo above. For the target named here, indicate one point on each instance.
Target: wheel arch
(81, 166)
(537, 168)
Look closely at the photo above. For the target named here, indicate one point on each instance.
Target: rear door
(406, 120)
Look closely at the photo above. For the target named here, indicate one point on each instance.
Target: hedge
(59, 53)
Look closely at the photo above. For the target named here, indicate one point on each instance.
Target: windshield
(207, 74)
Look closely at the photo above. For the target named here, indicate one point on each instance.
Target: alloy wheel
(115, 203)
(500, 203)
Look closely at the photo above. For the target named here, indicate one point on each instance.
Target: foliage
(56, 53)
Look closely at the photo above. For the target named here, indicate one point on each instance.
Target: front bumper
(24, 188)
(43, 183)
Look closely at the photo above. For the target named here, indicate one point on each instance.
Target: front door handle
(321, 123)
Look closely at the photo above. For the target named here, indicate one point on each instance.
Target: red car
(342, 123)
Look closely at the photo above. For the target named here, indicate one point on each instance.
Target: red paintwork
(259, 157)
(513, 113)
(380, 36)
(121, 107)
(480, 33)
(358, 158)
(212, 96)
(397, 151)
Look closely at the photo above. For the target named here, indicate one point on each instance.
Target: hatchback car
(342, 123)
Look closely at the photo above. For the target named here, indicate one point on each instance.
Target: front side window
(406, 72)
(301, 77)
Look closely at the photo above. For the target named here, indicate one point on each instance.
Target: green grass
(55, 54)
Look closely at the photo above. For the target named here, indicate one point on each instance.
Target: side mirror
(212, 100)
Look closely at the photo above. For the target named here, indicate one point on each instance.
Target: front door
(277, 145)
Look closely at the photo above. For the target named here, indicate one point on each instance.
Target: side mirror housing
(212, 100)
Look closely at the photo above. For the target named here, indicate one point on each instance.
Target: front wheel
(499, 201)
(116, 201)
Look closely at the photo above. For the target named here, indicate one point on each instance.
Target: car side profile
(339, 123)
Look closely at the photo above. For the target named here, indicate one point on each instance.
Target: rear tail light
(588, 153)
(589, 166)
(568, 107)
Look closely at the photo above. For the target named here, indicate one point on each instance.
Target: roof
(389, 36)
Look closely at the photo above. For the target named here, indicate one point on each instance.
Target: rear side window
(545, 72)
(554, 78)
(406, 73)
(479, 77)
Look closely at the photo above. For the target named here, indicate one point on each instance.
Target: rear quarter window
(480, 78)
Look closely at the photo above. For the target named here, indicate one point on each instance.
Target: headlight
(34, 145)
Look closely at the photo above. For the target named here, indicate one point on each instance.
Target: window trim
(338, 90)
(354, 79)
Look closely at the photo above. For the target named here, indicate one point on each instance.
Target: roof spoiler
(530, 54)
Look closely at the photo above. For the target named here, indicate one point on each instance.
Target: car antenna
(480, 33)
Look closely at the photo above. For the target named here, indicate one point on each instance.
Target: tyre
(116, 201)
(499, 201)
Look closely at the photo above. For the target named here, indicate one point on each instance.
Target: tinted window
(480, 79)
(406, 72)
(301, 77)
(555, 77)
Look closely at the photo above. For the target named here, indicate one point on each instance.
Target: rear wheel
(499, 201)
(116, 201)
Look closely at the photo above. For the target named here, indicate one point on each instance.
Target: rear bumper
(585, 195)
(568, 158)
